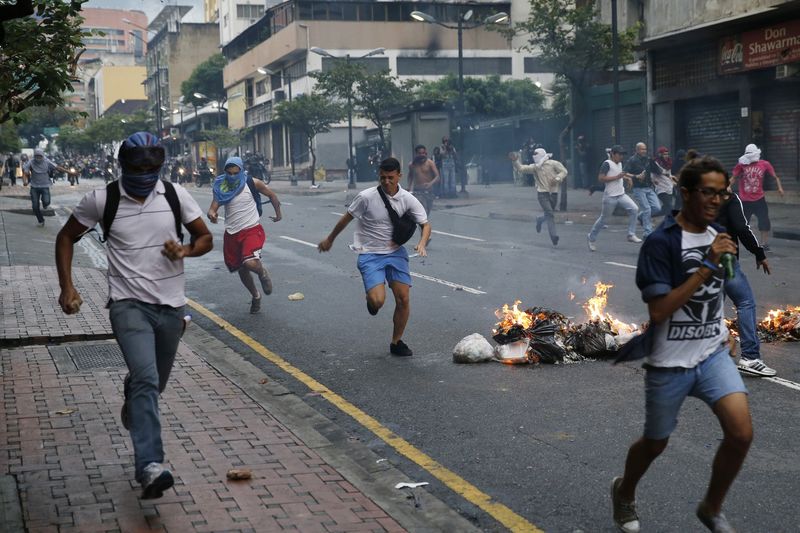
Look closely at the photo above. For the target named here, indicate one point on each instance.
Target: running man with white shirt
(146, 281)
(380, 260)
(244, 235)
(613, 176)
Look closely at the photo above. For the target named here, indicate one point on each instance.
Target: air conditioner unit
(279, 95)
(787, 71)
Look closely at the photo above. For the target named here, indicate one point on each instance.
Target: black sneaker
(554, 240)
(123, 414)
(400, 349)
(539, 222)
(255, 305)
(155, 480)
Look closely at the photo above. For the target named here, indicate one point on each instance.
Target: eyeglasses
(708, 193)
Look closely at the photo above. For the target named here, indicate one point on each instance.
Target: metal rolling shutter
(780, 145)
(631, 119)
(712, 128)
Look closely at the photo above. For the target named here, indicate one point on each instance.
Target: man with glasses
(686, 346)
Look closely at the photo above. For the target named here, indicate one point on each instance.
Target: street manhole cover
(89, 356)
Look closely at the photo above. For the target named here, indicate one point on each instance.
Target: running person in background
(548, 174)
(37, 173)
(422, 177)
(638, 166)
(612, 176)
(750, 173)
(244, 235)
(663, 180)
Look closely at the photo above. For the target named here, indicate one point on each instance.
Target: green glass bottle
(727, 262)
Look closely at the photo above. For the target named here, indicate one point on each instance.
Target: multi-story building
(722, 75)
(113, 84)
(269, 60)
(174, 50)
(111, 45)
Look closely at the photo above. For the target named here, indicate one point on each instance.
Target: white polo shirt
(136, 268)
(373, 233)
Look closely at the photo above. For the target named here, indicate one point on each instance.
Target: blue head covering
(140, 157)
(227, 186)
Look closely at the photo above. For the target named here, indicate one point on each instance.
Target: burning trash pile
(778, 325)
(541, 335)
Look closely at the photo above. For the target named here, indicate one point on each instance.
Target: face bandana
(227, 186)
(139, 185)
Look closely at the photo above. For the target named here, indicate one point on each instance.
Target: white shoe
(634, 238)
(592, 246)
(755, 367)
(155, 480)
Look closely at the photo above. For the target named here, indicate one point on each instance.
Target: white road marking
(623, 265)
(298, 241)
(457, 236)
(447, 283)
(784, 382)
(337, 214)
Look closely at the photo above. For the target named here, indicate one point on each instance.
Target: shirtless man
(422, 176)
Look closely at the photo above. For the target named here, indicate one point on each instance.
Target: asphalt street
(544, 440)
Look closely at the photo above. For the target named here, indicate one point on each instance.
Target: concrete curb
(785, 233)
(354, 460)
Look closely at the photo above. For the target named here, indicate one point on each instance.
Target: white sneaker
(40, 224)
(155, 480)
(590, 242)
(755, 367)
(634, 238)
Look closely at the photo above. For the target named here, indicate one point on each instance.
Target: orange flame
(595, 310)
(782, 320)
(512, 316)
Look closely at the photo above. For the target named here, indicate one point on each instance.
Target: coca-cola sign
(761, 48)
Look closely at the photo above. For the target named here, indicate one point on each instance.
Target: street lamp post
(463, 17)
(351, 171)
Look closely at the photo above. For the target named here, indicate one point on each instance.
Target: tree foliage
(309, 114)
(221, 136)
(487, 97)
(205, 79)
(35, 119)
(106, 130)
(371, 94)
(572, 40)
(9, 138)
(39, 55)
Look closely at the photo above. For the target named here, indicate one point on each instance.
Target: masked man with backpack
(384, 214)
(141, 217)
(240, 194)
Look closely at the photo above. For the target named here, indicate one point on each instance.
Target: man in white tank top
(244, 235)
(612, 175)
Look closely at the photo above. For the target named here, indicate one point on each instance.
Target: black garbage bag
(514, 334)
(544, 343)
(589, 339)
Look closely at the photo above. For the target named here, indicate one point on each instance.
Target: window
(261, 87)
(225, 21)
(249, 11)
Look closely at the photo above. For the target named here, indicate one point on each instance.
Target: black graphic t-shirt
(697, 329)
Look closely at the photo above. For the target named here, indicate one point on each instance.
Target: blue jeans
(649, 203)
(665, 389)
(448, 179)
(609, 204)
(739, 291)
(36, 194)
(148, 336)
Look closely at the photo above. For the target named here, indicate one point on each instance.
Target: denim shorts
(379, 268)
(666, 388)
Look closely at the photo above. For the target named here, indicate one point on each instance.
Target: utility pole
(617, 135)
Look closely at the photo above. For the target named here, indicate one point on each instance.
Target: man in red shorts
(244, 235)
(750, 174)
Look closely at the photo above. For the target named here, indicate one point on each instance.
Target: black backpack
(256, 195)
(403, 227)
(112, 204)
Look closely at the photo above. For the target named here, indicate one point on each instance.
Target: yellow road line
(456, 483)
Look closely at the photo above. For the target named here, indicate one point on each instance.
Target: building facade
(269, 61)
(725, 74)
(114, 83)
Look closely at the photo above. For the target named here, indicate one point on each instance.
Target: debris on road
(410, 485)
(296, 296)
(67, 411)
(237, 474)
(778, 325)
(473, 349)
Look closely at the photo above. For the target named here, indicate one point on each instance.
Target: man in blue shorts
(686, 346)
(380, 260)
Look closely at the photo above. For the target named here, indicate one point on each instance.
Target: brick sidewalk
(31, 314)
(75, 470)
